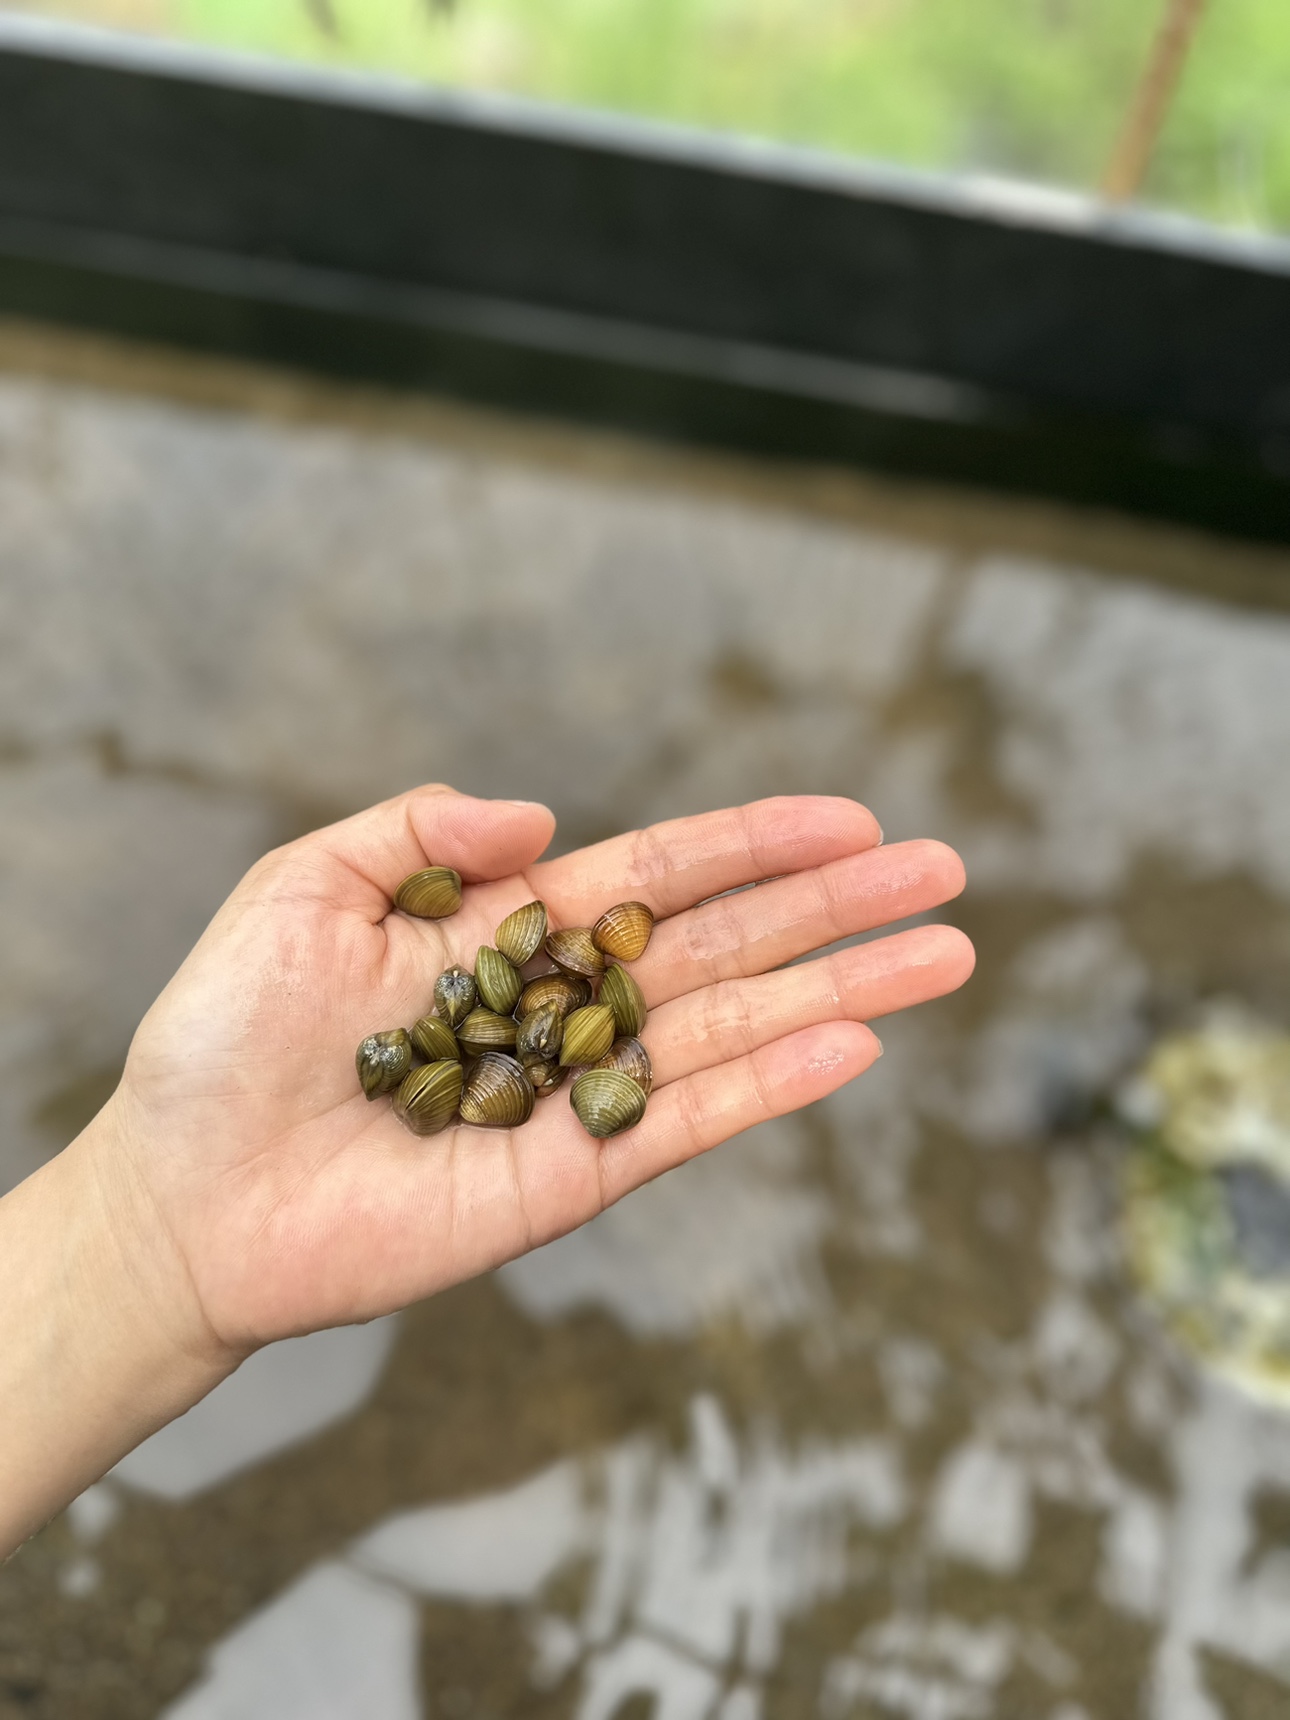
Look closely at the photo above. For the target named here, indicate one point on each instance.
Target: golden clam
(428, 1099)
(496, 981)
(483, 1030)
(540, 1036)
(382, 1060)
(520, 935)
(620, 991)
(607, 1102)
(565, 990)
(623, 931)
(497, 1093)
(431, 894)
(588, 1034)
(631, 1058)
(546, 1077)
(434, 1039)
(575, 953)
(454, 994)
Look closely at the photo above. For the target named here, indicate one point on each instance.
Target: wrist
(108, 1341)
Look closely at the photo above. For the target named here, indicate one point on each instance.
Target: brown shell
(454, 994)
(483, 1030)
(428, 1099)
(624, 931)
(631, 1057)
(620, 991)
(567, 991)
(497, 1093)
(546, 1077)
(496, 981)
(520, 935)
(382, 1060)
(540, 1036)
(432, 894)
(575, 953)
(435, 1040)
(588, 1034)
(607, 1102)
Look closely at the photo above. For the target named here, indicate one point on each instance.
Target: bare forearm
(99, 1348)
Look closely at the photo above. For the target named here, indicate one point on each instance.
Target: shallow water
(857, 1416)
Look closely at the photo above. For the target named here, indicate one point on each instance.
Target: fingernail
(525, 803)
(878, 1043)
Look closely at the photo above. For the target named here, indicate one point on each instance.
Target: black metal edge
(348, 298)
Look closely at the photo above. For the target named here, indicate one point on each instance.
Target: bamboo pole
(1131, 156)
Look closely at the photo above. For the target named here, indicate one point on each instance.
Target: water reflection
(860, 1415)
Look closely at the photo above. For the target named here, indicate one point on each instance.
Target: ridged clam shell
(566, 991)
(428, 1099)
(607, 1102)
(631, 1058)
(382, 1060)
(540, 1036)
(483, 1030)
(496, 981)
(620, 991)
(432, 894)
(546, 1077)
(624, 931)
(588, 1034)
(454, 994)
(497, 1093)
(575, 953)
(520, 935)
(435, 1040)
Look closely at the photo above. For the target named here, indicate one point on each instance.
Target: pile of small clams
(494, 1043)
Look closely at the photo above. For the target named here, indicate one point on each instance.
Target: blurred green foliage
(1030, 87)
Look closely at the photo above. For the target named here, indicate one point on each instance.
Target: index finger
(672, 866)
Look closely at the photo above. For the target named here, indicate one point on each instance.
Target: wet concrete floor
(858, 1416)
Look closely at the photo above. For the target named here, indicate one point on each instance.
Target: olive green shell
(428, 1099)
(454, 994)
(431, 895)
(540, 1036)
(588, 1034)
(624, 931)
(435, 1040)
(496, 981)
(382, 1060)
(565, 990)
(620, 991)
(575, 953)
(520, 935)
(546, 1077)
(631, 1058)
(607, 1102)
(483, 1030)
(497, 1093)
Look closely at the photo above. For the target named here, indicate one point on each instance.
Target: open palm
(294, 1204)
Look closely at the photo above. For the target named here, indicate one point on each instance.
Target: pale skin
(238, 1188)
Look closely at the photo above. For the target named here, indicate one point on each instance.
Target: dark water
(858, 1416)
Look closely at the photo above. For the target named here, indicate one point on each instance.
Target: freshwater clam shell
(575, 953)
(496, 981)
(620, 991)
(454, 994)
(428, 1099)
(631, 1058)
(497, 1093)
(382, 1060)
(520, 935)
(588, 1034)
(483, 1030)
(607, 1102)
(624, 931)
(435, 1040)
(546, 1077)
(540, 1036)
(431, 894)
(566, 991)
